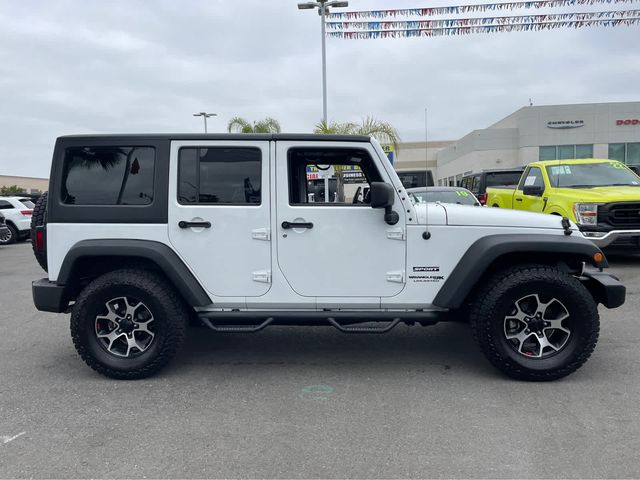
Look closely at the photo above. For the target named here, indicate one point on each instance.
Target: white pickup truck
(142, 233)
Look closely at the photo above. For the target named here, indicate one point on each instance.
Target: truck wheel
(535, 322)
(128, 324)
(39, 219)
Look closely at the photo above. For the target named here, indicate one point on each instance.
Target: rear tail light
(483, 198)
(26, 212)
(40, 239)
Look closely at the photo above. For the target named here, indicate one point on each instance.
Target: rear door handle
(183, 224)
(287, 225)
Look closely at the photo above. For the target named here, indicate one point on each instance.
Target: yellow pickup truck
(601, 196)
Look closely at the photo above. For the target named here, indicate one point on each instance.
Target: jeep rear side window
(108, 176)
(220, 175)
(347, 171)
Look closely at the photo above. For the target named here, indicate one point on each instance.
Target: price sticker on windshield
(560, 170)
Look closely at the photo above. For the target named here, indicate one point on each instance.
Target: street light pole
(323, 10)
(204, 116)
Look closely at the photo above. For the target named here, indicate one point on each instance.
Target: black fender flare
(483, 252)
(158, 253)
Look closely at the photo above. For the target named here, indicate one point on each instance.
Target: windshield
(461, 197)
(587, 175)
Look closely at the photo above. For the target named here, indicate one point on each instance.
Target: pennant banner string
(455, 22)
(469, 30)
(455, 9)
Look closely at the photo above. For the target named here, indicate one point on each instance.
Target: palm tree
(240, 125)
(384, 132)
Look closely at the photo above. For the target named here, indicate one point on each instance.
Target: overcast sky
(90, 66)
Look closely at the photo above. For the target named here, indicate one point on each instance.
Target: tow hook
(566, 225)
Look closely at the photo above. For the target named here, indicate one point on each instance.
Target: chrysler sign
(630, 121)
(565, 124)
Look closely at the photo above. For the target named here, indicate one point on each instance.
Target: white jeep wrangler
(142, 234)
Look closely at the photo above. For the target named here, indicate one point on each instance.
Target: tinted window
(4, 205)
(413, 179)
(503, 178)
(27, 203)
(220, 175)
(108, 176)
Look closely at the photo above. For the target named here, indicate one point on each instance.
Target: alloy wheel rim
(537, 329)
(6, 236)
(126, 329)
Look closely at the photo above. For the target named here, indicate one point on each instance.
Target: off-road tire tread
(484, 302)
(176, 319)
(39, 218)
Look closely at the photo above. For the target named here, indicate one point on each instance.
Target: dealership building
(592, 130)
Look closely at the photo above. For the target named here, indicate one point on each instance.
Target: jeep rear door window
(220, 175)
(335, 176)
(108, 175)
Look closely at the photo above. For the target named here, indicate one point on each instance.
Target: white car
(141, 233)
(17, 213)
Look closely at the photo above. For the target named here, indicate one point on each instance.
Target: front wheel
(535, 322)
(128, 324)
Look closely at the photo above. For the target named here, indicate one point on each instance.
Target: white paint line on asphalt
(7, 439)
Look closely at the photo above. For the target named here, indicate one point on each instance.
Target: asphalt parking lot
(287, 402)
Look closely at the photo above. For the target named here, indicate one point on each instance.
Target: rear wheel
(535, 322)
(10, 236)
(128, 324)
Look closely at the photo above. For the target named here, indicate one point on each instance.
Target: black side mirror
(533, 190)
(382, 196)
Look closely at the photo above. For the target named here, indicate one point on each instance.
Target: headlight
(586, 213)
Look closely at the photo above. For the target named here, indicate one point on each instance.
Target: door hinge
(396, 277)
(396, 234)
(262, 276)
(261, 234)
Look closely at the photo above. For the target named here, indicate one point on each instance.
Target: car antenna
(426, 234)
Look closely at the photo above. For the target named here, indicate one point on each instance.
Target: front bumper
(605, 288)
(604, 239)
(49, 296)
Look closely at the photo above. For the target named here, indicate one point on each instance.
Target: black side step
(350, 329)
(237, 328)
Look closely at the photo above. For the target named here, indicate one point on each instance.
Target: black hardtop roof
(317, 137)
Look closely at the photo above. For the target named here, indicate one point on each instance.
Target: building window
(628, 153)
(565, 152)
(584, 151)
(547, 153)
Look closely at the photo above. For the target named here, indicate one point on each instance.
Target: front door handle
(287, 225)
(183, 224)
(518, 199)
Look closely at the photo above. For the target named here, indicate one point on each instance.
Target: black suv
(477, 183)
